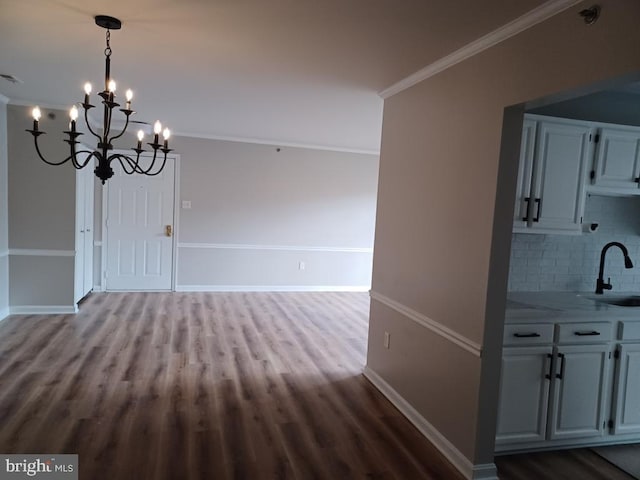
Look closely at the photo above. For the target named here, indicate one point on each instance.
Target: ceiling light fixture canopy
(104, 159)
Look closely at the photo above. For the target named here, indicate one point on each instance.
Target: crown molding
(148, 129)
(96, 124)
(48, 106)
(519, 25)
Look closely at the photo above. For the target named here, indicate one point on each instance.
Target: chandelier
(102, 155)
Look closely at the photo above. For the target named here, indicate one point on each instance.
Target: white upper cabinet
(617, 161)
(551, 186)
(525, 174)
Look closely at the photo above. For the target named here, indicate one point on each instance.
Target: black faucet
(600, 284)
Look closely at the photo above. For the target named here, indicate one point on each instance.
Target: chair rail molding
(34, 252)
(442, 330)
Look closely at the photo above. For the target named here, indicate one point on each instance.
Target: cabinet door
(560, 168)
(617, 162)
(579, 392)
(524, 395)
(627, 391)
(525, 175)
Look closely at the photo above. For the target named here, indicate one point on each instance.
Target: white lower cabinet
(626, 415)
(524, 395)
(579, 391)
(581, 387)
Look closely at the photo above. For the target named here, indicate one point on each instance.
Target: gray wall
(257, 212)
(41, 213)
(570, 263)
(445, 207)
(4, 214)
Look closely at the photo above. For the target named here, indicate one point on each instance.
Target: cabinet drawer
(528, 334)
(585, 332)
(629, 330)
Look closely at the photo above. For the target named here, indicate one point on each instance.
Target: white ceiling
(292, 71)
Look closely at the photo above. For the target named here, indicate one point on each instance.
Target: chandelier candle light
(103, 168)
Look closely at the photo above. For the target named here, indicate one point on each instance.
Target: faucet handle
(608, 286)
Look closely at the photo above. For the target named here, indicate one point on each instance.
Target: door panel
(139, 208)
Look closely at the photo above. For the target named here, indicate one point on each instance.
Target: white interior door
(139, 229)
(83, 274)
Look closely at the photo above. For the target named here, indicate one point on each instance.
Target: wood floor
(576, 464)
(206, 386)
(221, 386)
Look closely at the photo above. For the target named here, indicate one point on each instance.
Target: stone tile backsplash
(570, 262)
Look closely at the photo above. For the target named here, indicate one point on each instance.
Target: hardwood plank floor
(221, 386)
(575, 464)
(206, 386)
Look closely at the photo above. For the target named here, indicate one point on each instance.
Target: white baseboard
(451, 453)
(97, 288)
(43, 309)
(4, 313)
(485, 471)
(271, 288)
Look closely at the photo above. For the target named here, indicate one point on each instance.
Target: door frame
(176, 218)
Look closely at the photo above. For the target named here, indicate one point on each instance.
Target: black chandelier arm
(79, 165)
(35, 139)
(86, 120)
(124, 129)
(133, 164)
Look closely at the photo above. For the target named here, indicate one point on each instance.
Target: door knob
(168, 230)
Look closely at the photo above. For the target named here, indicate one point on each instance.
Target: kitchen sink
(630, 301)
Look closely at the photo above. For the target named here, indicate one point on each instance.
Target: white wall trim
(32, 252)
(485, 471)
(445, 332)
(4, 253)
(213, 136)
(272, 288)
(291, 248)
(520, 24)
(43, 309)
(4, 313)
(97, 243)
(97, 288)
(4, 99)
(459, 461)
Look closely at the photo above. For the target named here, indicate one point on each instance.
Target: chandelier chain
(107, 51)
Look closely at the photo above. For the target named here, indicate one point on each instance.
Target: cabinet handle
(549, 360)
(561, 375)
(587, 334)
(526, 200)
(526, 335)
(538, 203)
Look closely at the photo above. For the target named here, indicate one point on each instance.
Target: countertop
(551, 307)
